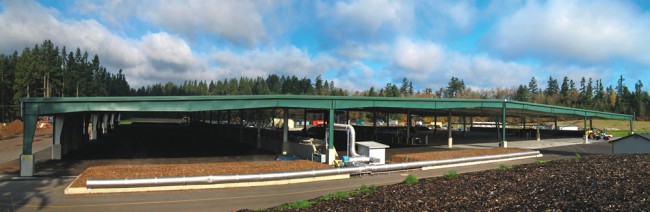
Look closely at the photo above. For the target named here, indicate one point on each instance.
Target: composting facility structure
(73, 116)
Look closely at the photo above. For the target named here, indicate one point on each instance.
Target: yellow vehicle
(597, 134)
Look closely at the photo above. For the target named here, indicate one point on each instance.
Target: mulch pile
(441, 155)
(12, 129)
(199, 169)
(590, 183)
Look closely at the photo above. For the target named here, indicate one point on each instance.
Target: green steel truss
(50, 106)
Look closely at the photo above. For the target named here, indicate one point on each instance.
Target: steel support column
(330, 140)
(450, 140)
(435, 125)
(585, 138)
(30, 117)
(258, 124)
(241, 126)
(464, 126)
(632, 123)
(304, 121)
(59, 121)
(95, 120)
(285, 131)
(374, 125)
(504, 143)
(539, 137)
(408, 126)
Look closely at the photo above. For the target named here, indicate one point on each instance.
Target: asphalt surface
(46, 193)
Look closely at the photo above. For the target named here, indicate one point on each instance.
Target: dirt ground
(201, 169)
(250, 167)
(589, 183)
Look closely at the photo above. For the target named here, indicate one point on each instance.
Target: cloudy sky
(357, 44)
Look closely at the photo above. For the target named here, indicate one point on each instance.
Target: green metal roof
(46, 106)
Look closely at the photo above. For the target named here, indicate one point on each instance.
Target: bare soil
(200, 169)
(589, 183)
(441, 155)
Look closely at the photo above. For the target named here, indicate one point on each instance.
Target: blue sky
(357, 44)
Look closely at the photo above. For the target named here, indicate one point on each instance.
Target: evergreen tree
(552, 89)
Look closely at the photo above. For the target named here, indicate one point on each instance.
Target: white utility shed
(373, 150)
(635, 143)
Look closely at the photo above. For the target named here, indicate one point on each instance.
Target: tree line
(272, 84)
(46, 70)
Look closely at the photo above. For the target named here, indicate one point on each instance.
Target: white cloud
(258, 62)
(589, 31)
(418, 57)
(427, 64)
(237, 21)
(364, 21)
(157, 57)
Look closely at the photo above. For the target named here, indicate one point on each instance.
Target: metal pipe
(214, 179)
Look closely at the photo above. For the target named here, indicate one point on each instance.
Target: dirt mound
(178, 170)
(13, 128)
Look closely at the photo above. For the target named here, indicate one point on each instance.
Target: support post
(408, 126)
(435, 125)
(374, 125)
(539, 137)
(504, 143)
(591, 123)
(555, 124)
(259, 126)
(30, 116)
(59, 120)
(105, 124)
(464, 126)
(632, 123)
(585, 137)
(95, 120)
(331, 151)
(210, 117)
(241, 126)
(304, 121)
(112, 122)
(347, 117)
(450, 140)
(285, 131)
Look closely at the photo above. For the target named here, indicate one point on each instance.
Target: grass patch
(622, 133)
(410, 179)
(540, 162)
(345, 194)
(450, 175)
(295, 205)
(504, 167)
(125, 122)
(578, 155)
(364, 190)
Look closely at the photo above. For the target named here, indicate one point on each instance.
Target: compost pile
(12, 129)
(590, 183)
(199, 169)
(441, 155)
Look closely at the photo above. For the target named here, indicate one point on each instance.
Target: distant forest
(46, 70)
